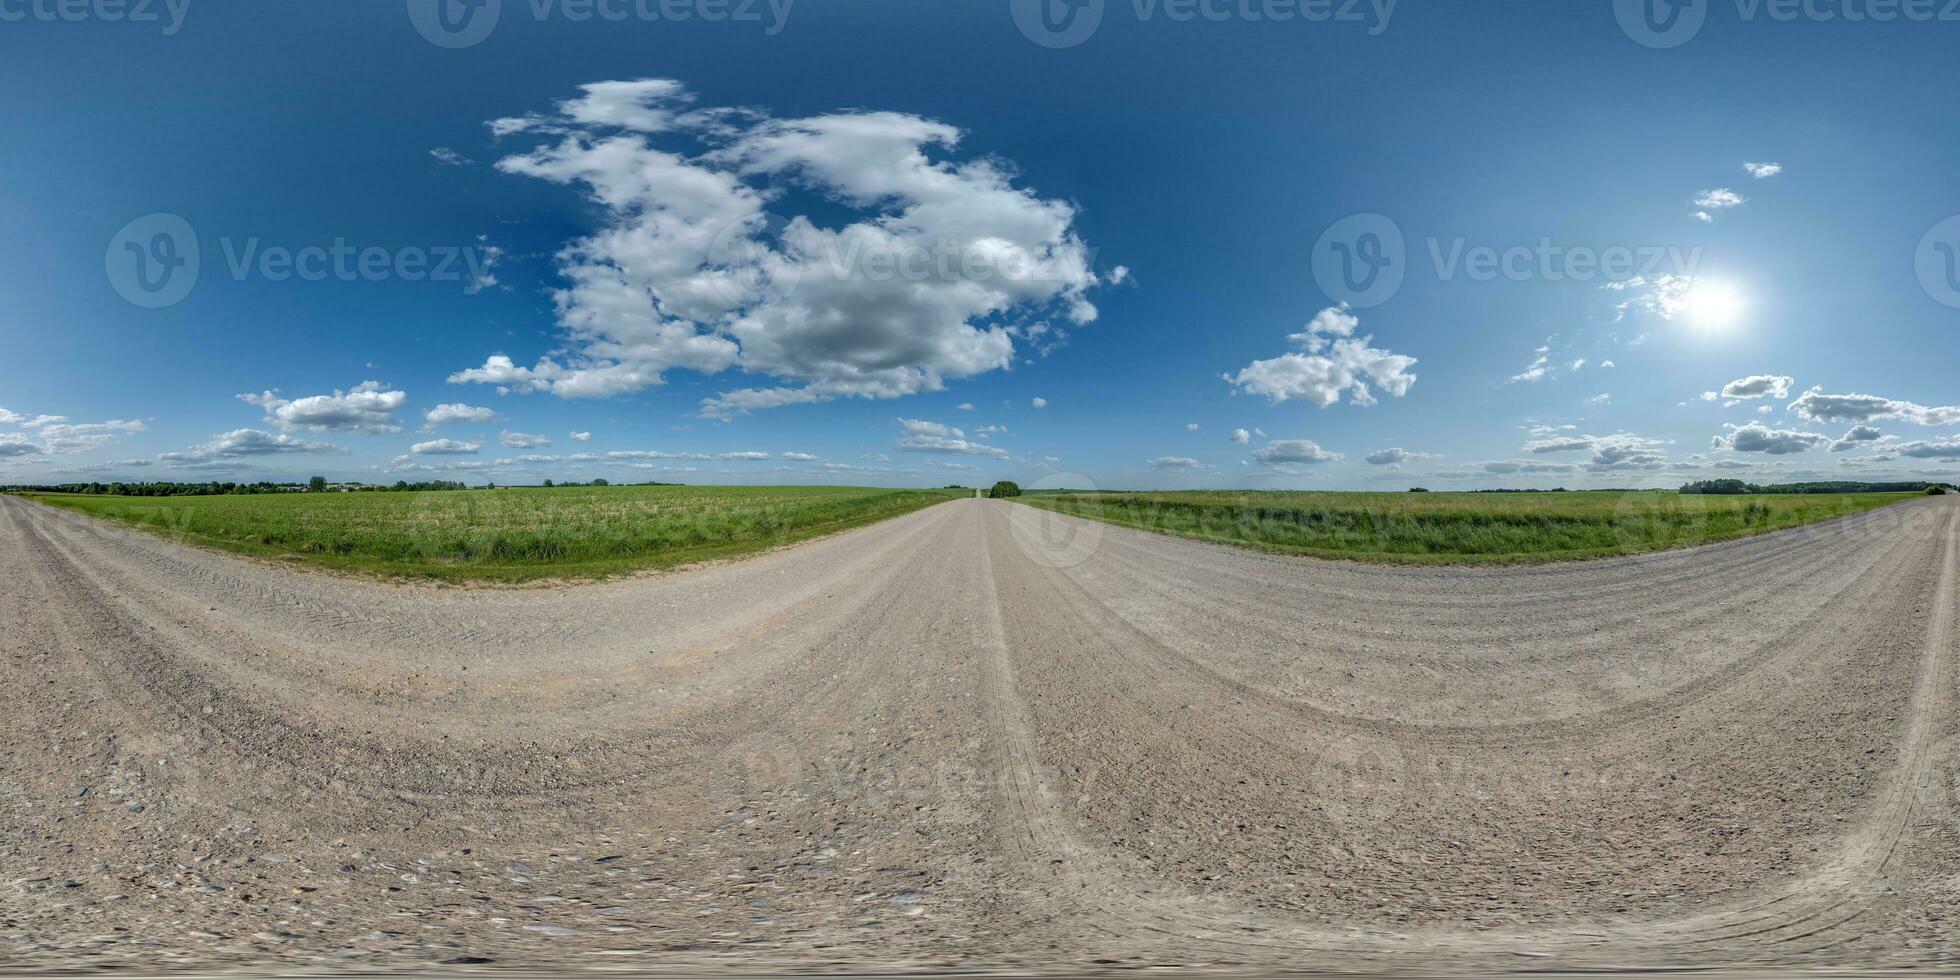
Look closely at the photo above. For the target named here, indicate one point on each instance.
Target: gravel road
(983, 735)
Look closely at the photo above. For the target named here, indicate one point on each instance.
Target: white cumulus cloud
(915, 286)
(458, 412)
(1756, 437)
(1855, 437)
(1394, 456)
(1758, 386)
(446, 447)
(523, 440)
(924, 436)
(367, 407)
(1281, 451)
(1817, 406)
(1332, 362)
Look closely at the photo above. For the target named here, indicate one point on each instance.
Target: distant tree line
(162, 488)
(217, 488)
(1826, 486)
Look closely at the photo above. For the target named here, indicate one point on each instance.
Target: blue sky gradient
(1806, 331)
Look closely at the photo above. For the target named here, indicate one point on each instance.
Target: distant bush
(1005, 488)
(1935, 491)
(1717, 486)
(1418, 489)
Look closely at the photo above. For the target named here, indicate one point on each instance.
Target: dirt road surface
(983, 735)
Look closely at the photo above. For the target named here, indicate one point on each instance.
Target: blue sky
(904, 243)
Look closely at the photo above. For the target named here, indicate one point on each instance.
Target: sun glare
(1713, 305)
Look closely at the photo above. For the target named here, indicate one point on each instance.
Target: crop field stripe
(1459, 528)
(508, 535)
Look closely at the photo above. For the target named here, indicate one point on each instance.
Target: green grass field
(1460, 527)
(507, 535)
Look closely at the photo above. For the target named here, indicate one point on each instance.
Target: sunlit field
(508, 534)
(1460, 527)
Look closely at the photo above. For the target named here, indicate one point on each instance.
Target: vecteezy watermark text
(344, 262)
(1067, 23)
(1362, 260)
(1672, 23)
(167, 14)
(466, 23)
(156, 260)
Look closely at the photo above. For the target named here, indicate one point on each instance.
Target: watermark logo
(1360, 260)
(455, 23)
(153, 261)
(765, 258)
(1055, 540)
(1661, 24)
(1067, 23)
(466, 23)
(1363, 259)
(1057, 23)
(744, 269)
(1937, 262)
(1672, 23)
(166, 14)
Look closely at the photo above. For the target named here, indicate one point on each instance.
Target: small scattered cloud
(1040, 402)
(924, 436)
(1293, 451)
(448, 157)
(1241, 436)
(523, 440)
(1816, 406)
(1947, 449)
(1755, 386)
(458, 412)
(240, 443)
(1506, 467)
(446, 447)
(1619, 451)
(1763, 170)
(1857, 436)
(1717, 199)
(367, 407)
(1175, 463)
(1756, 437)
(1394, 456)
(581, 437)
(1539, 369)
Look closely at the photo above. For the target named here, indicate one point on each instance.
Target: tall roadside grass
(1460, 527)
(507, 535)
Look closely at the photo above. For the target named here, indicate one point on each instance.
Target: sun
(1713, 304)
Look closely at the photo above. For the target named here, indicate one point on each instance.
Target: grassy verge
(1438, 528)
(510, 535)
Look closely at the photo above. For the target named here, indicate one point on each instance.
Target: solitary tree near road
(1005, 488)
(318, 484)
